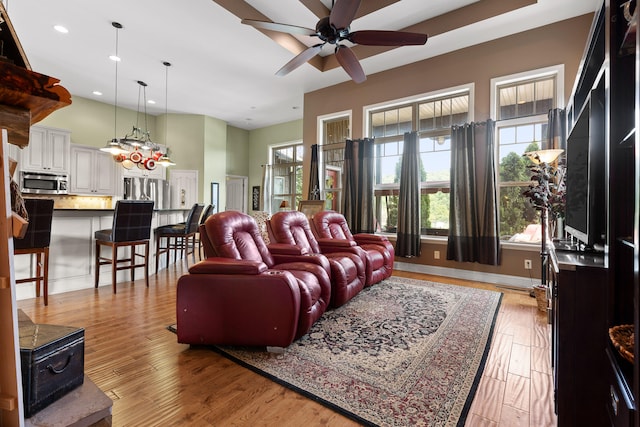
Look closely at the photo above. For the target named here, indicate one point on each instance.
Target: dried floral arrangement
(548, 190)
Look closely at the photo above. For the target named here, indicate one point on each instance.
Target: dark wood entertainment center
(594, 291)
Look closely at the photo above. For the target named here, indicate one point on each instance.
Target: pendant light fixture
(165, 160)
(113, 146)
(135, 148)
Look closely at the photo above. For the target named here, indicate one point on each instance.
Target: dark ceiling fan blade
(343, 13)
(300, 59)
(387, 38)
(350, 63)
(283, 28)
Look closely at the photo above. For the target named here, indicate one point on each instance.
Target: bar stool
(131, 228)
(36, 242)
(179, 237)
(206, 213)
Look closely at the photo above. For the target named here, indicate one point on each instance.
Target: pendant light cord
(166, 105)
(117, 26)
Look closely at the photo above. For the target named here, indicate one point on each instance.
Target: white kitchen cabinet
(93, 172)
(48, 150)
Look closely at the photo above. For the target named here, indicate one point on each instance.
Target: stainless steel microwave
(43, 183)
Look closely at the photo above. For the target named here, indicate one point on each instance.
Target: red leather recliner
(347, 269)
(333, 235)
(244, 295)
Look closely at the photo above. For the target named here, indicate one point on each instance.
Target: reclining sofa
(333, 235)
(347, 269)
(246, 293)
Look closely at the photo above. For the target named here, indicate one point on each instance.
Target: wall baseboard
(493, 278)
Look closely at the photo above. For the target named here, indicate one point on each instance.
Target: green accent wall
(261, 139)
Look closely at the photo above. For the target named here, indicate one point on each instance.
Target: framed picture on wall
(311, 207)
(215, 194)
(255, 198)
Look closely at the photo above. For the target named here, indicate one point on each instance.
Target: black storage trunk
(52, 359)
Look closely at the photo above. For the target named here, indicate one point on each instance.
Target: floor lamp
(543, 160)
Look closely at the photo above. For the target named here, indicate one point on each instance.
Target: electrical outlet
(527, 264)
(436, 254)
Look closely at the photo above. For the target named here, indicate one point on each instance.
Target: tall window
(522, 106)
(287, 175)
(432, 118)
(335, 132)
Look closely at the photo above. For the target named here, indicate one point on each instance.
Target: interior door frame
(245, 191)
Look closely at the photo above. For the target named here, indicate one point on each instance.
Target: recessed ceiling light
(114, 58)
(151, 101)
(60, 29)
(97, 93)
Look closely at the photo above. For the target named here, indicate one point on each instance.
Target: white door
(236, 193)
(184, 188)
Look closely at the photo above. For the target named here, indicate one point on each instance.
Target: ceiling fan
(334, 29)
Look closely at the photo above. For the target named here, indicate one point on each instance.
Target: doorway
(184, 188)
(237, 193)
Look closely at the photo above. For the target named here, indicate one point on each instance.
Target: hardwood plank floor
(154, 381)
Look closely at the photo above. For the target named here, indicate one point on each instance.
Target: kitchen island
(72, 250)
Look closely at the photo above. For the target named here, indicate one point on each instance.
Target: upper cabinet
(93, 172)
(48, 151)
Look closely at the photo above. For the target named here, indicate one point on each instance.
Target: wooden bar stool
(131, 228)
(179, 237)
(36, 242)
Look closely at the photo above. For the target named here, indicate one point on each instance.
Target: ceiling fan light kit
(334, 29)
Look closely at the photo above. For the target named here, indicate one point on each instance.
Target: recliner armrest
(317, 259)
(216, 265)
(370, 238)
(333, 244)
(286, 249)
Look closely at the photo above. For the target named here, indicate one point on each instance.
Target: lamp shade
(113, 147)
(544, 156)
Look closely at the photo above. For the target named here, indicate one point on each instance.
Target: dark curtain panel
(408, 243)
(314, 180)
(357, 185)
(556, 130)
(473, 211)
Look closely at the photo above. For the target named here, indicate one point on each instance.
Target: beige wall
(560, 43)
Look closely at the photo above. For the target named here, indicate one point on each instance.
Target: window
(522, 104)
(432, 117)
(287, 175)
(335, 132)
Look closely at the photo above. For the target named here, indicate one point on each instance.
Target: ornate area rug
(402, 353)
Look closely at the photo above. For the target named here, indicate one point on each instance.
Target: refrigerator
(141, 188)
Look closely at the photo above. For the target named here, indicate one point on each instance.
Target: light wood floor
(154, 381)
